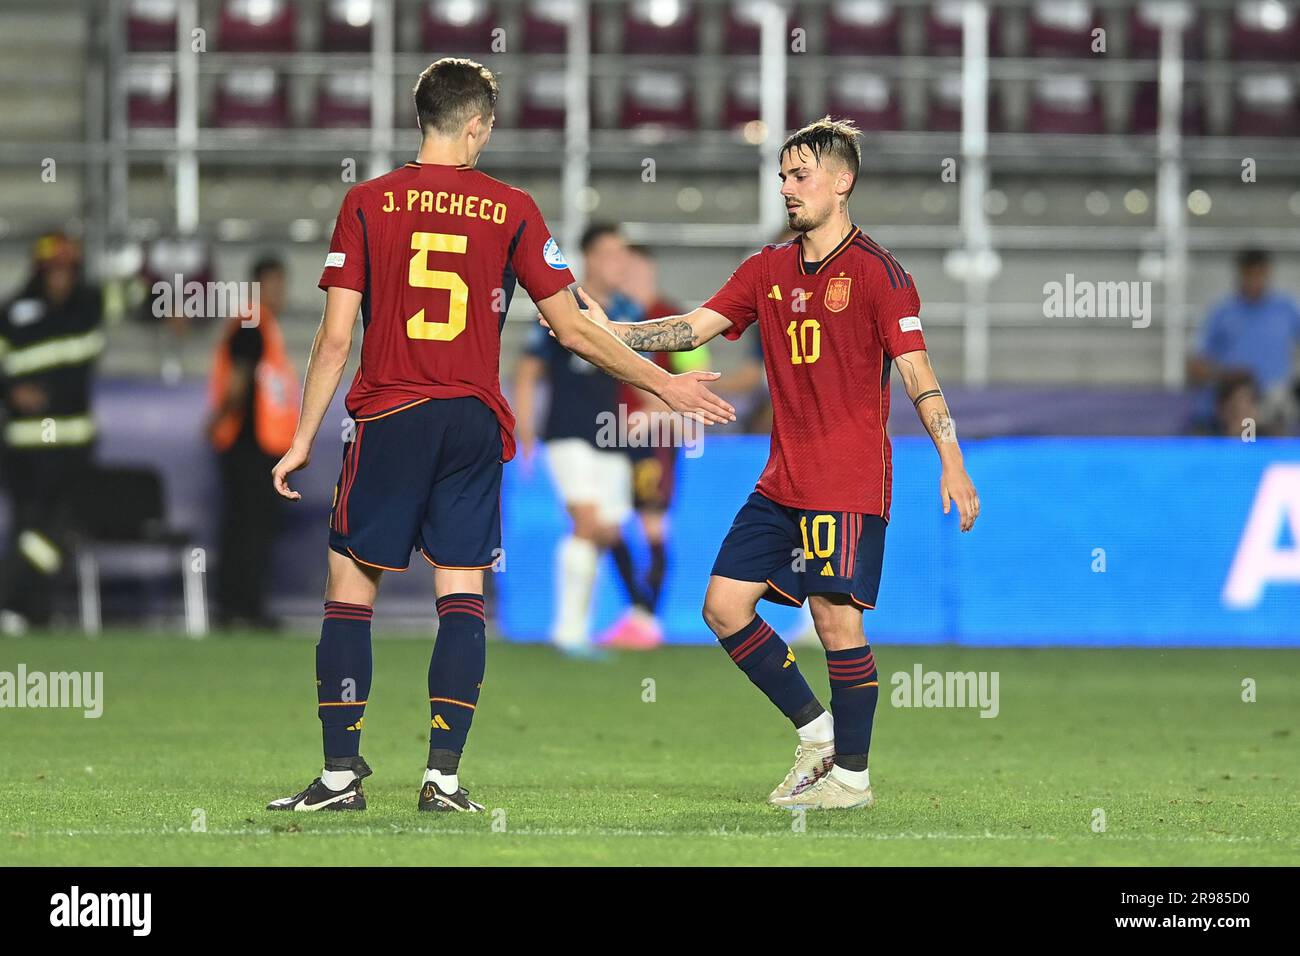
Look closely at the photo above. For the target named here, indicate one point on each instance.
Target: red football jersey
(829, 337)
(435, 252)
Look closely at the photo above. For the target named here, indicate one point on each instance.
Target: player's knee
(838, 624)
(724, 619)
(712, 617)
(841, 638)
(586, 530)
(838, 634)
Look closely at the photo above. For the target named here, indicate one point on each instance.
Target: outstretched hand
(687, 394)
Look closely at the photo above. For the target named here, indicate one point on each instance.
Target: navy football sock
(658, 571)
(854, 692)
(343, 668)
(769, 663)
(455, 677)
(622, 556)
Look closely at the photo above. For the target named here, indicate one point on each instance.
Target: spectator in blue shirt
(1254, 331)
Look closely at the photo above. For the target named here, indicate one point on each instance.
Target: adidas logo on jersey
(826, 571)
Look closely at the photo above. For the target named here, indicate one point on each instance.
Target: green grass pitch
(579, 769)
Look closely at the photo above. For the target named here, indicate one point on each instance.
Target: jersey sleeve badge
(553, 256)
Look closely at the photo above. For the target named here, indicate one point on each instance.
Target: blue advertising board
(1134, 541)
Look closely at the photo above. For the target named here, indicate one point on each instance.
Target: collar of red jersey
(413, 164)
(843, 244)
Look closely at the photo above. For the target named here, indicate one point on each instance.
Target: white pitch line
(728, 834)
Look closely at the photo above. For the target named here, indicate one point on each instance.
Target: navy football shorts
(427, 475)
(799, 552)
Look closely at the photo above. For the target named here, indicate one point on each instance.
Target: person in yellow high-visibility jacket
(50, 337)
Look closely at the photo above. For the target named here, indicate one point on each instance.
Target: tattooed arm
(685, 392)
(923, 389)
(676, 333)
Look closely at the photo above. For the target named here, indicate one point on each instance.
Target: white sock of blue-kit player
(447, 782)
(818, 730)
(577, 566)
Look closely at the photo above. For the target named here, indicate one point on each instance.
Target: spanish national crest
(837, 294)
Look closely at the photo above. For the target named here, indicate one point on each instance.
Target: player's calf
(855, 689)
(343, 673)
(344, 666)
(455, 677)
(770, 664)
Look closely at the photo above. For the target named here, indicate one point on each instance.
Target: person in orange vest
(253, 395)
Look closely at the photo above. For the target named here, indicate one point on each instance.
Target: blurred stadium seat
(151, 25)
(660, 26)
(1062, 28)
(1144, 32)
(543, 101)
(943, 29)
(346, 25)
(659, 99)
(869, 99)
(1265, 30)
(862, 27)
(1265, 105)
(945, 101)
(257, 26)
(254, 97)
(1065, 104)
(546, 25)
(136, 522)
(743, 104)
(742, 30)
(463, 26)
(151, 96)
(343, 99)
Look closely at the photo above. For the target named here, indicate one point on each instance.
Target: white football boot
(831, 793)
(812, 761)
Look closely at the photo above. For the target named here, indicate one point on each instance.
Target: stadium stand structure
(286, 95)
